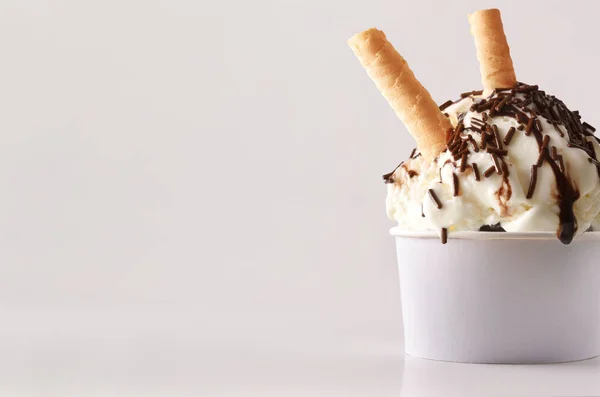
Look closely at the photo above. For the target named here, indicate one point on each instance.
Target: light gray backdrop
(210, 172)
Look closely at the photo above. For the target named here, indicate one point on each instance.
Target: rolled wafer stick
(493, 53)
(411, 101)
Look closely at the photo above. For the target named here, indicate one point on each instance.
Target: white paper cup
(493, 297)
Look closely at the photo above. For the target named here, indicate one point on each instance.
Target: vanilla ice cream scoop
(516, 160)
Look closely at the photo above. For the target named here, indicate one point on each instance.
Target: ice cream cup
(494, 297)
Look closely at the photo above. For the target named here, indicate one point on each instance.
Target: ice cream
(507, 158)
(518, 159)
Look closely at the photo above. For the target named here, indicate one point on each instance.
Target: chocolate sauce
(567, 196)
(492, 228)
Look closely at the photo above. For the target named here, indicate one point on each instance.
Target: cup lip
(477, 235)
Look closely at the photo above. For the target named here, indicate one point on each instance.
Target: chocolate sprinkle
(499, 152)
(483, 141)
(452, 136)
(538, 125)
(463, 162)
(455, 184)
(466, 94)
(446, 104)
(435, 199)
(532, 181)
(522, 118)
(444, 235)
(461, 153)
(526, 88)
(454, 146)
(497, 164)
(489, 171)
(509, 135)
(475, 171)
(589, 127)
(529, 126)
(484, 106)
(477, 121)
(497, 136)
(502, 103)
(545, 142)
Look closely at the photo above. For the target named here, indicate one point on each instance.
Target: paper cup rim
(477, 235)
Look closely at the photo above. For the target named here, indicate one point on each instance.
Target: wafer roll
(411, 101)
(493, 53)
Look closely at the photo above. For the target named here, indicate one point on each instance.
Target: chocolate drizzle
(492, 228)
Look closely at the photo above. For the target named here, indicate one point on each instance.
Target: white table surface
(175, 353)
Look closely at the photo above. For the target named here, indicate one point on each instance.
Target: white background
(191, 195)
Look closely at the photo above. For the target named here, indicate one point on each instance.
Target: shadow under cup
(494, 297)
